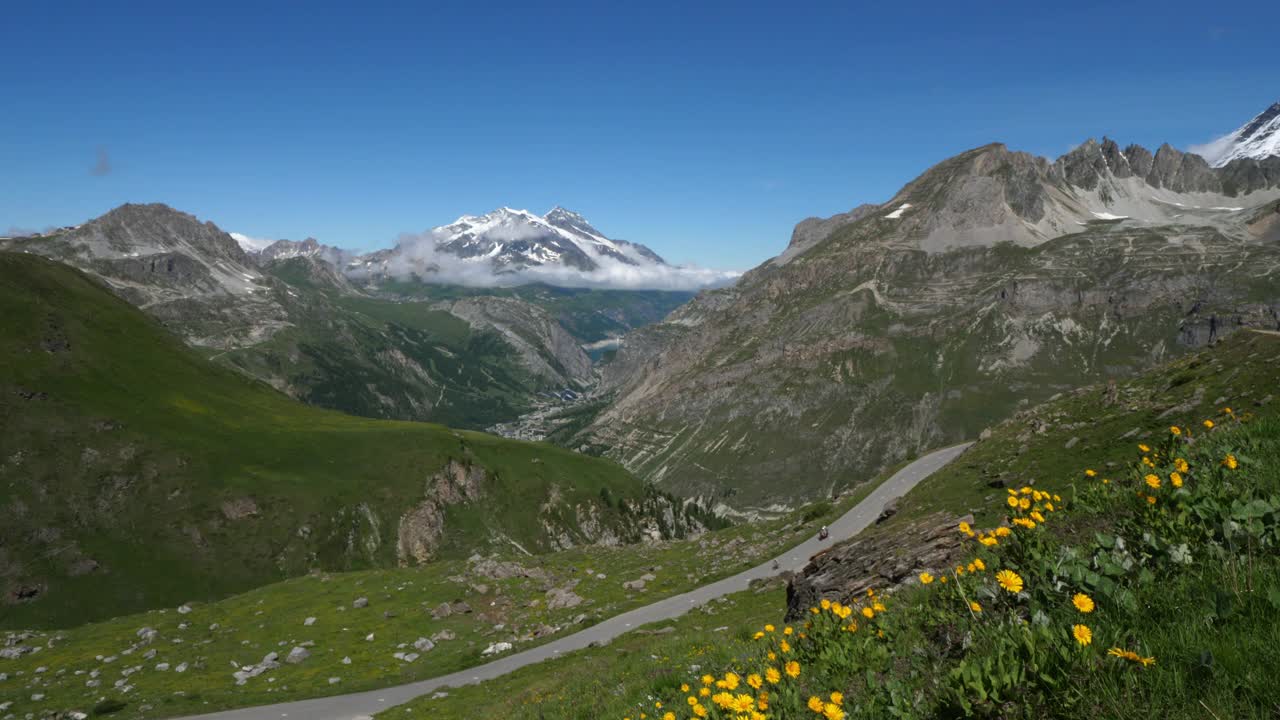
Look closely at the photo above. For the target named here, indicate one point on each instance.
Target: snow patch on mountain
(1257, 139)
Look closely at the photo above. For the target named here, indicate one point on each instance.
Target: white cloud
(1213, 150)
(250, 244)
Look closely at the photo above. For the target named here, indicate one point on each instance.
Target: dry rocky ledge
(879, 560)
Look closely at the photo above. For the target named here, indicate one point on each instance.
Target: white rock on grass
(184, 609)
(360, 602)
(297, 655)
(309, 621)
(182, 667)
(423, 644)
(495, 648)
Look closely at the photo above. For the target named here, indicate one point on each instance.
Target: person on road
(822, 534)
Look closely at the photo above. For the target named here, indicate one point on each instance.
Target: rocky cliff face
(544, 347)
(993, 279)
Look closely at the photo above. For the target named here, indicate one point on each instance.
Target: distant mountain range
(290, 314)
(506, 247)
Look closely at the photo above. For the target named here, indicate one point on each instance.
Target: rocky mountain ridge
(994, 278)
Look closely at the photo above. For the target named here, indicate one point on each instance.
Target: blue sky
(705, 132)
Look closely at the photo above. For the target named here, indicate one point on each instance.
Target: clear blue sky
(706, 133)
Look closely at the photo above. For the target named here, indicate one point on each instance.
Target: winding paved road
(364, 704)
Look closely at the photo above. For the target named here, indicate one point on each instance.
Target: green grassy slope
(506, 600)
(134, 474)
(1209, 623)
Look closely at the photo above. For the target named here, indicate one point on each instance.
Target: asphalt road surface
(360, 706)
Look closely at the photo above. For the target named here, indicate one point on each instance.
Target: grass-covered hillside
(590, 314)
(1116, 566)
(417, 623)
(135, 474)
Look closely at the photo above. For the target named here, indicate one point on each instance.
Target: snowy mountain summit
(1257, 139)
(512, 240)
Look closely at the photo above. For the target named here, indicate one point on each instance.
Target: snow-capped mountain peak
(511, 239)
(1259, 138)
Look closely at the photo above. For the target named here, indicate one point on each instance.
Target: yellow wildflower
(966, 529)
(815, 703)
(1180, 464)
(1083, 602)
(1002, 531)
(1049, 507)
(708, 679)
(878, 607)
(1230, 462)
(1208, 424)
(1057, 499)
(837, 698)
(755, 681)
(1082, 634)
(1013, 501)
(831, 711)
(925, 578)
(785, 646)
(1175, 477)
(1009, 580)
(787, 630)
(1144, 448)
(868, 613)
(1090, 473)
(826, 604)
(1153, 481)
(1151, 499)
(772, 675)
(1175, 430)
(975, 607)
(759, 634)
(972, 568)
(768, 628)
(1035, 515)
(988, 541)
(792, 668)
(703, 692)
(943, 579)
(977, 562)
(684, 687)
(1024, 504)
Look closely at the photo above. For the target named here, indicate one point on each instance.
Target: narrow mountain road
(358, 706)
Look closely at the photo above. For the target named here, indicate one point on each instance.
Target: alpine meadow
(664, 362)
